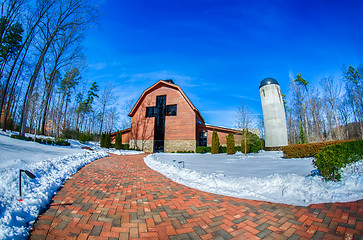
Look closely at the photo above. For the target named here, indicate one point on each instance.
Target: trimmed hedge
(202, 149)
(307, 150)
(332, 158)
(190, 151)
(222, 149)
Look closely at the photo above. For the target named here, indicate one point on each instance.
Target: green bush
(201, 149)
(185, 151)
(255, 143)
(125, 146)
(332, 158)
(222, 149)
(21, 137)
(306, 150)
(230, 144)
(237, 148)
(108, 140)
(215, 143)
(85, 137)
(118, 140)
(70, 134)
(61, 142)
(46, 141)
(102, 141)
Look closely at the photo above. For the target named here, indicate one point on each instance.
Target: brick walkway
(119, 197)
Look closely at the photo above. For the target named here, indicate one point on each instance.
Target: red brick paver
(119, 197)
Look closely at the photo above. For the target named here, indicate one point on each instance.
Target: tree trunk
(24, 114)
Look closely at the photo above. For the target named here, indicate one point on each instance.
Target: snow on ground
(264, 176)
(51, 165)
(16, 153)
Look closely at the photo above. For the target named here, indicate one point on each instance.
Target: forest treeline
(41, 65)
(329, 110)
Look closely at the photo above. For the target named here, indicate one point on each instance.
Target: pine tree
(230, 144)
(118, 140)
(302, 135)
(215, 143)
(108, 140)
(102, 141)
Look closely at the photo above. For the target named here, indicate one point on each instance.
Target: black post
(29, 174)
(20, 183)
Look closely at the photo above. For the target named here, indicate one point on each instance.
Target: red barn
(165, 120)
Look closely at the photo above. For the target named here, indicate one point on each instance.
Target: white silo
(274, 118)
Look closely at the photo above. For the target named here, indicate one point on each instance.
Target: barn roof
(167, 83)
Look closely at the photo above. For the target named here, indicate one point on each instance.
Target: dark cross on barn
(159, 112)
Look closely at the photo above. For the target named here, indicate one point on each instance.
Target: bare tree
(106, 99)
(315, 109)
(244, 119)
(64, 15)
(332, 92)
(32, 24)
(126, 109)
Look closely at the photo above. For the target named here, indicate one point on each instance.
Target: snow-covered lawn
(263, 176)
(51, 165)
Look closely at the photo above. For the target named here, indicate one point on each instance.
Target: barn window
(171, 110)
(150, 112)
(203, 139)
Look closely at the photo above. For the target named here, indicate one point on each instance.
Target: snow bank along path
(265, 176)
(52, 165)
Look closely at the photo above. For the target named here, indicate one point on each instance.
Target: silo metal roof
(268, 81)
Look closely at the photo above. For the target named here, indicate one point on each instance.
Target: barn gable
(169, 84)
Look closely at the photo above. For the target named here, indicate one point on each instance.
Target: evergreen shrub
(230, 144)
(222, 149)
(21, 137)
(215, 143)
(237, 148)
(125, 146)
(85, 137)
(108, 140)
(46, 141)
(118, 140)
(332, 158)
(61, 142)
(102, 140)
(307, 150)
(70, 134)
(190, 151)
(201, 149)
(255, 143)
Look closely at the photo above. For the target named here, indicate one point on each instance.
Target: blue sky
(219, 51)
